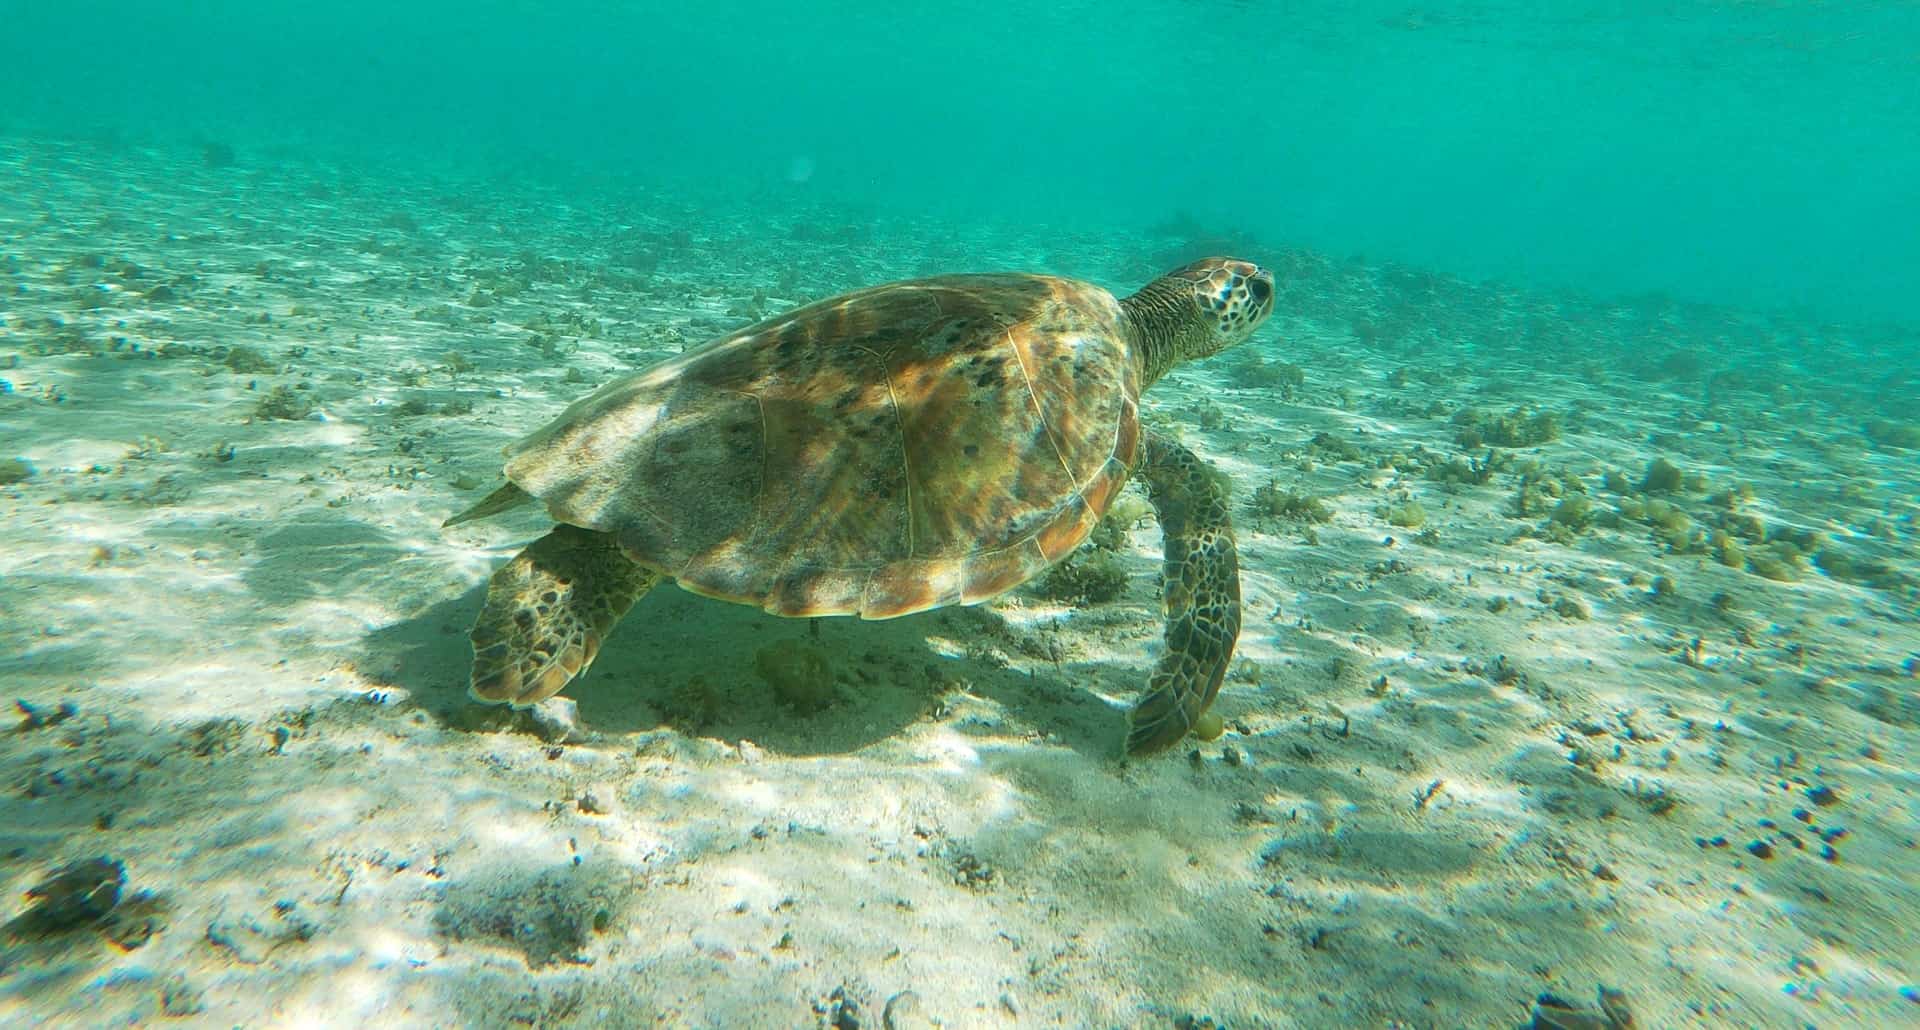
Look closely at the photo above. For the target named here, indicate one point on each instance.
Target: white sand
(1513, 809)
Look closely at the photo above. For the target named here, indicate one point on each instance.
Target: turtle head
(1198, 311)
(1231, 298)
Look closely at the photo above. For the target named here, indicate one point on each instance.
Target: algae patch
(1094, 577)
(799, 673)
(1270, 501)
(1663, 477)
(285, 405)
(1523, 426)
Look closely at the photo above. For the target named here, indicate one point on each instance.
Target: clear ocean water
(1527, 523)
(1762, 154)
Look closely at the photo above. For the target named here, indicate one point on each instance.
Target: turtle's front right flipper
(1202, 573)
(547, 612)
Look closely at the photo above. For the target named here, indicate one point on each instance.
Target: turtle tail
(548, 610)
(503, 499)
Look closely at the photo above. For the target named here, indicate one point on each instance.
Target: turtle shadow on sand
(701, 668)
(691, 664)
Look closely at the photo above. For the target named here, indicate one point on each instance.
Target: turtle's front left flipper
(547, 612)
(1202, 573)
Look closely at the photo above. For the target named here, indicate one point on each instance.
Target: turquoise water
(1574, 485)
(1762, 154)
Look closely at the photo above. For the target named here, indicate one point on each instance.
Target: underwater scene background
(1574, 479)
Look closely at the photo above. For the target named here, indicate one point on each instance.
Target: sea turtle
(919, 444)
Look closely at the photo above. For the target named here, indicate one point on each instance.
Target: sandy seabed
(1517, 710)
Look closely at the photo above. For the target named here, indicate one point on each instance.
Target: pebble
(904, 1012)
(179, 998)
(595, 800)
(557, 719)
(36, 717)
(244, 939)
(77, 894)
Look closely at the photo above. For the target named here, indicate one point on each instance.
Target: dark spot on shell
(971, 450)
(550, 597)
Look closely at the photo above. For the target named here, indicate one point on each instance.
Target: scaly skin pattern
(1202, 601)
(547, 612)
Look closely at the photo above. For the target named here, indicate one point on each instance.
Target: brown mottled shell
(909, 446)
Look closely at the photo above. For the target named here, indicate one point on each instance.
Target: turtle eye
(1261, 290)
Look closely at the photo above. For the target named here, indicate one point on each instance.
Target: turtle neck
(1158, 318)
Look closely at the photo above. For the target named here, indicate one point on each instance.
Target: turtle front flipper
(548, 610)
(1202, 573)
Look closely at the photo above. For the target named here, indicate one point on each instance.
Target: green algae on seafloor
(1775, 563)
(695, 703)
(248, 361)
(1335, 448)
(1406, 516)
(1888, 433)
(1532, 490)
(1270, 501)
(1663, 477)
(1465, 471)
(1093, 576)
(284, 404)
(1256, 373)
(1209, 726)
(1575, 512)
(799, 673)
(1727, 549)
(1523, 426)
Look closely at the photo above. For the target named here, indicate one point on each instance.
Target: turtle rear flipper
(1202, 574)
(507, 497)
(547, 612)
